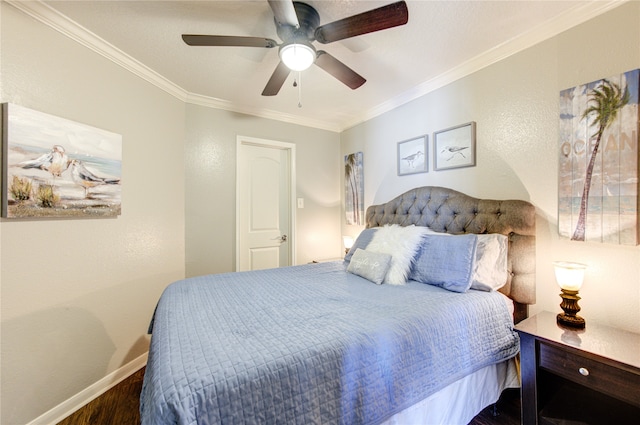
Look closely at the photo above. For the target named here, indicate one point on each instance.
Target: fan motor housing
(308, 18)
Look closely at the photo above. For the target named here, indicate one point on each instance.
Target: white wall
(515, 105)
(211, 185)
(77, 295)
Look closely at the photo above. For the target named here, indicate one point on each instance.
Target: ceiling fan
(298, 25)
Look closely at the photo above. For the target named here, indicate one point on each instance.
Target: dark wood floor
(506, 411)
(119, 406)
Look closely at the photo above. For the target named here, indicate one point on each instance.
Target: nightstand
(586, 376)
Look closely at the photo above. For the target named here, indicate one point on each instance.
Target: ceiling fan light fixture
(297, 56)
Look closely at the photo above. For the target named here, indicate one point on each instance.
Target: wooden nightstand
(587, 376)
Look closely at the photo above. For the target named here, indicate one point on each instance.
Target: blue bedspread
(312, 344)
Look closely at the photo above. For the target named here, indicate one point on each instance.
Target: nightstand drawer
(606, 378)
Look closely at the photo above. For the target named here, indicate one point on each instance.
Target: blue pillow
(361, 242)
(446, 261)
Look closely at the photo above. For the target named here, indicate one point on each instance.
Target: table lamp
(348, 243)
(569, 277)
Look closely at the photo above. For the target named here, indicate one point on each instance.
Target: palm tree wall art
(354, 188)
(599, 161)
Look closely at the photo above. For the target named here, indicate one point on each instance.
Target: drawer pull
(584, 371)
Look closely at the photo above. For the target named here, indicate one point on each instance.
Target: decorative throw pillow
(402, 244)
(372, 266)
(491, 271)
(361, 242)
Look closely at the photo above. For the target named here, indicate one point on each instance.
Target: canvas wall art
(54, 167)
(598, 160)
(354, 188)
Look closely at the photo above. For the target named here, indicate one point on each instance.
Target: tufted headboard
(448, 211)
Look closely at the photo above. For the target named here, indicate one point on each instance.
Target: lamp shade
(569, 275)
(348, 242)
(297, 56)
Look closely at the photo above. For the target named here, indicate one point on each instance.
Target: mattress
(312, 344)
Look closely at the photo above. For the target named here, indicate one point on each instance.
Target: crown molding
(575, 16)
(197, 99)
(56, 20)
(571, 18)
(61, 23)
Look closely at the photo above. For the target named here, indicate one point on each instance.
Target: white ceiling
(443, 41)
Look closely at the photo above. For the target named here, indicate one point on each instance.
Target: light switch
(300, 202)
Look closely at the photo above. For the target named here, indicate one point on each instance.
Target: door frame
(270, 144)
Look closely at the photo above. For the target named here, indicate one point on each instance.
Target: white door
(264, 204)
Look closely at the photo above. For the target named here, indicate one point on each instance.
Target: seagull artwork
(56, 162)
(454, 150)
(411, 158)
(87, 179)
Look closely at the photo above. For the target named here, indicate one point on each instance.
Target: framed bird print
(413, 156)
(56, 168)
(455, 147)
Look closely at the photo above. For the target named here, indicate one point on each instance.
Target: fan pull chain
(299, 89)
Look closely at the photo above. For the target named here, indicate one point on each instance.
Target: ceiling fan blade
(228, 40)
(384, 17)
(276, 81)
(339, 70)
(284, 12)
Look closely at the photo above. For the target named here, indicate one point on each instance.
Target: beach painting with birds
(413, 156)
(53, 167)
(599, 161)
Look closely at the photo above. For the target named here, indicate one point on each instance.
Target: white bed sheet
(462, 400)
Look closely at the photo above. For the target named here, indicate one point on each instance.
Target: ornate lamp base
(570, 306)
(572, 321)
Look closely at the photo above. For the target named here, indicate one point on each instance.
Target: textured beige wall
(77, 295)
(515, 105)
(210, 187)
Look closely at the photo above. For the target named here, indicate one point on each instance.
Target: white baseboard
(92, 392)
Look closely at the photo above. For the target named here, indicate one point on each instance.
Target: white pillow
(372, 266)
(491, 272)
(402, 244)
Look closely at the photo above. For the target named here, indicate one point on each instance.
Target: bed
(352, 342)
